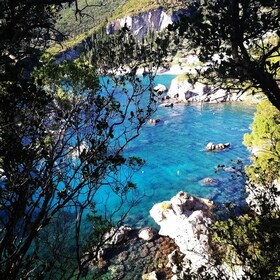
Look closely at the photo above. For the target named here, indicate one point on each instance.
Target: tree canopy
(239, 41)
(264, 142)
(64, 127)
(63, 132)
(252, 240)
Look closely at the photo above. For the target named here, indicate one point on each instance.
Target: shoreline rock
(181, 91)
(134, 258)
(216, 147)
(116, 236)
(186, 219)
(160, 88)
(147, 233)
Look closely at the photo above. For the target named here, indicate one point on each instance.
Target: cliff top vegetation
(98, 13)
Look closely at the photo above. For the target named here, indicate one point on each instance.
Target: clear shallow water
(175, 154)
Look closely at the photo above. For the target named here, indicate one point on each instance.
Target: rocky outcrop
(115, 236)
(216, 147)
(139, 25)
(154, 20)
(135, 258)
(186, 219)
(184, 92)
(256, 195)
(147, 233)
(74, 52)
(160, 88)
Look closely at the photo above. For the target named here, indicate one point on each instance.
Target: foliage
(264, 141)
(63, 133)
(251, 242)
(27, 28)
(105, 11)
(238, 41)
(67, 140)
(96, 12)
(127, 54)
(134, 7)
(97, 15)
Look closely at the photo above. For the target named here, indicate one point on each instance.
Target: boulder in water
(216, 147)
(160, 88)
(154, 121)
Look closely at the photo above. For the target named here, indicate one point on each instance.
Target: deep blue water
(175, 154)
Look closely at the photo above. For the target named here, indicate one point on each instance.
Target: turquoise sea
(174, 151)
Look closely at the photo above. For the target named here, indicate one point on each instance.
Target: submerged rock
(209, 182)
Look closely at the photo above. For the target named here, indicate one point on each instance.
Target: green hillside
(96, 15)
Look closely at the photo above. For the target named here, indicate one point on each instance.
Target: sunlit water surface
(174, 151)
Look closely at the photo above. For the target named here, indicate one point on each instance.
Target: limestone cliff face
(155, 20)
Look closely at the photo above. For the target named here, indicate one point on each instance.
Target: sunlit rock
(216, 147)
(147, 233)
(160, 88)
(186, 219)
(115, 236)
(150, 276)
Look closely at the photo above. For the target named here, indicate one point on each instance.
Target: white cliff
(186, 219)
(154, 20)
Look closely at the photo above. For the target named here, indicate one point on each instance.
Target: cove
(174, 151)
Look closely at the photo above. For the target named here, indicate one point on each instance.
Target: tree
(252, 239)
(27, 28)
(250, 242)
(239, 42)
(63, 133)
(264, 142)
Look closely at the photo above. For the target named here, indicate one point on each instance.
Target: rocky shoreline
(182, 243)
(183, 92)
(136, 258)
